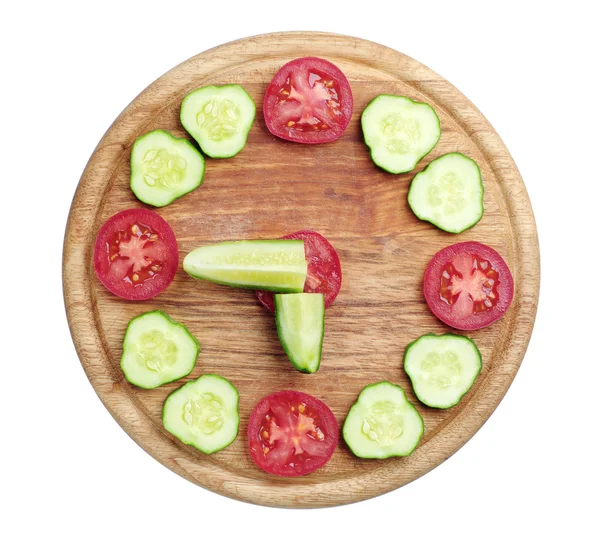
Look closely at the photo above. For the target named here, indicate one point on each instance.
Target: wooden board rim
(302, 493)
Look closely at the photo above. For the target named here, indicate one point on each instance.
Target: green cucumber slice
(399, 131)
(273, 265)
(300, 322)
(164, 168)
(448, 193)
(382, 423)
(442, 368)
(203, 413)
(218, 118)
(157, 350)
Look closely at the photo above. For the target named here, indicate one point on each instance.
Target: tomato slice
(309, 100)
(324, 275)
(468, 285)
(291, 433)
(136, 254)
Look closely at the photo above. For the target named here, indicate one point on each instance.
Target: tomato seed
(291, 123)
(265, 434)
(135, 277)
(266, 450)
(135, 229)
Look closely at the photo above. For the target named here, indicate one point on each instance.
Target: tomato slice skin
(136, 254)
(324, 269)
(309, 101)
(291, 433)
(468, 285)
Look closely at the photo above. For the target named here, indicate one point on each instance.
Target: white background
(68, 70)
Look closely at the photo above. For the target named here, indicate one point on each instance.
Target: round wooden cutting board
(273, 188)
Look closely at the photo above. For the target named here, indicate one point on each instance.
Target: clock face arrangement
(301, 269)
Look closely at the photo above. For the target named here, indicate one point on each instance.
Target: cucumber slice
(448, 193)
(399, 131)
(300, 322)
(203, 413)
(274, 265)
(382, 423)
(157, 350)
(164, 168)
(442, 368)
(218, 118)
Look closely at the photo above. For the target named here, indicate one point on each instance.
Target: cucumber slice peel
(164, 168)
(203, 413)
(157, 350)
(300, 320)
(274, 265)
(219, 118)
(399, 131)
(382, 423)
(442, 368)
(448, 193)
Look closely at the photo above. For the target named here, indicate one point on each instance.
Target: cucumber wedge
(218, 118)
(164, 168)
(399, 131)
(382, 423)
(203, 413)
(300, 322)
(273, 265)
(442, 368)
(157, 350)
(448, 193)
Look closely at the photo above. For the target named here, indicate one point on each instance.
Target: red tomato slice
(291, 433)
(468, 285)
(309, 100)
(136, 254)
(324, 270)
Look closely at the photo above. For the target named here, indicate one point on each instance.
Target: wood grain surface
(273, 188)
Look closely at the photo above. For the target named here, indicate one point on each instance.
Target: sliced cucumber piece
(203, 413)
(157, 350)
(274, 265)
(300, 322)
(218, 118)
(164, 168)
(448, 193)
(442, 368)
(399, 131)
(382, 423)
